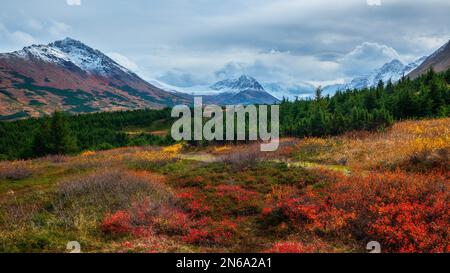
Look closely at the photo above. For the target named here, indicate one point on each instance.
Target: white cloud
(431, 43)
(124, 61)
(58, 29)
(269, 67)
(73, 2)
(35, 25)
(374, 2)
(367, 57)
(14, 40)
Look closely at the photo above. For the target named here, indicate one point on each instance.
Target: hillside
(71, 76)
(439, 61)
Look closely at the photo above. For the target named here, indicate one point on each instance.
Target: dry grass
(244, 156)
(408, 140)
(16, 170)
(81, 197)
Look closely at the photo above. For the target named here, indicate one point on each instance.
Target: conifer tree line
(368, 109)
(62, 133)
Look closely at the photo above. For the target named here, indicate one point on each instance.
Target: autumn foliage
(404, 212)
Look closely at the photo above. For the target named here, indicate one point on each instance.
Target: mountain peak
(244, 77)
(68, 42)
(73, 52)
(72, 76)
(244, 82)
(394, 63)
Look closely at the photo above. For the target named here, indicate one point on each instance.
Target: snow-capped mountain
(243, 83)
(242, 90)
(393, 71)
(72, 76)
(73, 52)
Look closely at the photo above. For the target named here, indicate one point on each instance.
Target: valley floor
(313, 195)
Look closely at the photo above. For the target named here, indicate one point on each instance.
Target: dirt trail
(200, 156)
(210, 158)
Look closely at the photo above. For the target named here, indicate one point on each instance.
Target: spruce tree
(63, 141)
(42, 140)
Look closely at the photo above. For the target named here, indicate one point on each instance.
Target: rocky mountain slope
(439, 61)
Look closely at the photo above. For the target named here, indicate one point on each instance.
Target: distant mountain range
(241, 90)
(70, 76)
(393, 71)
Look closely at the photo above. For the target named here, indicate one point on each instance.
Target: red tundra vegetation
(405, 212)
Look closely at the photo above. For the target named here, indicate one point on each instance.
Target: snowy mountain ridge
(242, 83)
(393, 71)
(69, 52)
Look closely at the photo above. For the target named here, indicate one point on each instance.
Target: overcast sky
(194, 42)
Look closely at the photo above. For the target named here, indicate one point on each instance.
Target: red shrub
(207, 232)
(117, 224)
(194, 201)
(405, 212)
(299, 247)
(266, 211)
(196, 236)
(236, 192)
(144, 219)
(412, 227)
(172, 222)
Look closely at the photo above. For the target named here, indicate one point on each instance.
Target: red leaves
(207, 232)
(117, 224)
(195, 202)
(404, 212)
(196, 235)
(235, 192)
(266, 211)
(144, 219)
(412, 227)
(299, 247)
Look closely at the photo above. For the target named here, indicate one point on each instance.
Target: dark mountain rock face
(439, 61)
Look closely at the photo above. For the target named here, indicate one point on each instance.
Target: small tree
(41, 143)
(318, 93)
(63, 141)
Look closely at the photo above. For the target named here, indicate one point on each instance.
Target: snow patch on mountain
(243, 83)
(392, 71)
(75, 52)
